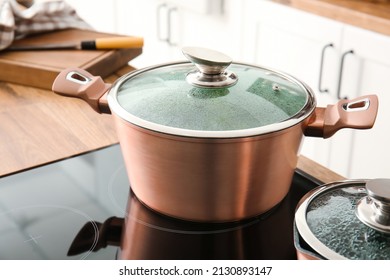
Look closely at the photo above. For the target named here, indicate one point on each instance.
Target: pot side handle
(358, 113)
(78, 83)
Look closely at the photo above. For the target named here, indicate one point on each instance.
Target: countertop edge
(361, 14)
(317, 171)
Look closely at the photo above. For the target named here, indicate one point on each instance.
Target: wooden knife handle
(114, 43)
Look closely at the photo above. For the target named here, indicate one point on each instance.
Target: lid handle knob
(374, 209)
(211, 68)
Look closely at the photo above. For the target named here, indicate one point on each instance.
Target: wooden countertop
(372, 15)
(317, 171)
(38, 127)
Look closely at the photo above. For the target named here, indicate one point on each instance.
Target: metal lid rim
(301, 222)
(116, 108)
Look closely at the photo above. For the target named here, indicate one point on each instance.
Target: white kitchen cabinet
(134, 18)
(367, 71)
(293, 41)
(153, 20)
(101, 15)
(220, 31)
(168, 25)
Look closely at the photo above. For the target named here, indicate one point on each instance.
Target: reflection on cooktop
(41, 210)
(82, 208)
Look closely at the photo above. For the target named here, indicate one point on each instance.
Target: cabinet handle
(169, 26)
(341, 73)
(158, 17)
(323, 90)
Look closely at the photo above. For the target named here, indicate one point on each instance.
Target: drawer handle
(169, 26)
(341, 73)
(160, 9)
(323, 90)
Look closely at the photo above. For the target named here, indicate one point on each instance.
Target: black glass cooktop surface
(43, 210)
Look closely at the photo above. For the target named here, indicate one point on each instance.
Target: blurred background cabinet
(367, 71)
(168, 25)
(101, 15)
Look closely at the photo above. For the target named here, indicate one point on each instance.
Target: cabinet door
(153, 20)
(367, 71)
(101, 15)
(168, 25)
(293, 41)
(219, 31)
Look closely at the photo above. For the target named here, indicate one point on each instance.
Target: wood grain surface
(372, 15)
(39, 68)
(318, 171)
(38, 127)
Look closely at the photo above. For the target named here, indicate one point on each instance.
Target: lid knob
(374, 209)
(211, 68)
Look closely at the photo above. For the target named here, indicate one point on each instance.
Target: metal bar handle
(323, 90)
(341, 73)
(169, 25)
(158, 17)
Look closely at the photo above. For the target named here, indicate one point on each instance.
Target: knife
(97, 44)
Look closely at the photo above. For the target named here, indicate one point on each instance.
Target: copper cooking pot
(208, 143)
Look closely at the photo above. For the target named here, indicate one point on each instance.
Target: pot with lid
(345, 220)
(213, 142)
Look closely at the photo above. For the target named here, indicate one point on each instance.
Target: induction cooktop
(42, 210)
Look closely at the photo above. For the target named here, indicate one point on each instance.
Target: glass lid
(207, 98)
(347, 220)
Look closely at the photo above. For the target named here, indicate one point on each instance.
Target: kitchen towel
(19, 18)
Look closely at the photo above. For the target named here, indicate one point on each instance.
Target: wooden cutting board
(39, 68)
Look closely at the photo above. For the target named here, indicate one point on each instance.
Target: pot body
(304, 256)
(209, 179)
